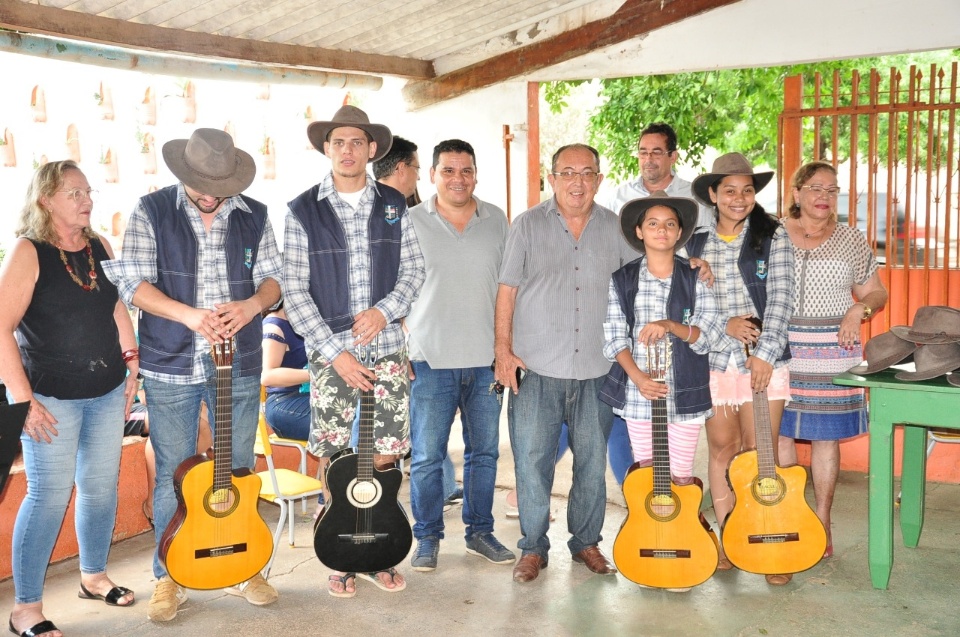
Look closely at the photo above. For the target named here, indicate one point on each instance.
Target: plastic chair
(282, 487)
(948, 436)
(278, 441)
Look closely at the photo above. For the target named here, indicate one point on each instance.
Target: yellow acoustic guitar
(664, 541)
(216, 538)
(772, 528)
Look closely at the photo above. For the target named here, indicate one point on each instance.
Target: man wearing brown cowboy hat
(201, 263)
(352, 268)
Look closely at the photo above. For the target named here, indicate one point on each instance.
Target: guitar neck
(762, 428)
(661, 448)
(365, 442)
(223, 428)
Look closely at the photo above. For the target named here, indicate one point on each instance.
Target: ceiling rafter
(633, 19)
(75, 25)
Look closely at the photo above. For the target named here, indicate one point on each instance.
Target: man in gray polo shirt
(551, 305)
(451, 348)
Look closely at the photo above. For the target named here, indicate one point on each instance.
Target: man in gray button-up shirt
(551, 305)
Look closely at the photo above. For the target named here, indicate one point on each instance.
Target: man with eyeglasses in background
(550, 309)
(657, 154)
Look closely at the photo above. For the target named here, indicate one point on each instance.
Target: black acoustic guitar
(364, 527)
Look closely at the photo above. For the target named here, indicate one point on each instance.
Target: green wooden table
(917, 406)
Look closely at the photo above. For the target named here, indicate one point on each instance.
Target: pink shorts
(731, 388)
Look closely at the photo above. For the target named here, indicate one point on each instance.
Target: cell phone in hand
(521, 374)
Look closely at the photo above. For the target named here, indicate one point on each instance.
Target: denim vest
(330, 260)
(691, 371)
(166, 346)
(750, 266)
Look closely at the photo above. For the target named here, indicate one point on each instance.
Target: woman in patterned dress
(837, 288)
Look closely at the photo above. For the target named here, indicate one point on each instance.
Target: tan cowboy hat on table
(932, 325)
(883, 351)
(351, 116)
(209, 163)
(932, 361)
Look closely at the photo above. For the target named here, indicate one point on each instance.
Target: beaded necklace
(93, 269)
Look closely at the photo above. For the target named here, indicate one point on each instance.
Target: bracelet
(131, 355)
(689, 334)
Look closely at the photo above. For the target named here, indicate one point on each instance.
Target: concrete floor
(469, 596)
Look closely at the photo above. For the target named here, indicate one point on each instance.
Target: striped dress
(825, 277)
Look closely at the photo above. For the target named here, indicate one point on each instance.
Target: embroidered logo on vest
(248, 257)
(392, 214)
(761, 269)
(686, 316)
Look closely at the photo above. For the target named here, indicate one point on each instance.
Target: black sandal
(112, 598)
(46, 626)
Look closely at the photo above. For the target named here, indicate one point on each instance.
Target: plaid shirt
(298, 303)
(138, 263)
(650, 306)
(733, 299)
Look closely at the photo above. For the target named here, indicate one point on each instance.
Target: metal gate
(895, 142)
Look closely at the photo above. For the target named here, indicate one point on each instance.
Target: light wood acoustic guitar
(216, 538)
(772, 528)
(664, 541)
(364, 527)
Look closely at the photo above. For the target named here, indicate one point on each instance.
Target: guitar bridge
(220, 551)
(362, 538)
(773, 538)
(665, 554)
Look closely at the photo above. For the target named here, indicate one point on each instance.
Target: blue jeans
(86, 450)
(435, 396)
(619, 451)
(174, 414)
(289, 415)
(536, 415)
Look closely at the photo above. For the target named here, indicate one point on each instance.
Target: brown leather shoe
(595, 560)
(528, 567)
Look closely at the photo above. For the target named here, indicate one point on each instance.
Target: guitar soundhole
(220, 503)
(769, 491)
(363, 494)
(663, 507)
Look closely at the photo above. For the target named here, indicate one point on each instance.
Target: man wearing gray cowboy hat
(352, 268)
(201, 263)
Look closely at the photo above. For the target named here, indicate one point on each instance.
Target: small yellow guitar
(664, 541)
(216, 538)
(772, 528)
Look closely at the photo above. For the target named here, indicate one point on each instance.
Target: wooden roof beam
(75, 25)
(633, 19)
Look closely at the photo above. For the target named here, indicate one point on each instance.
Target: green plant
(144, 140)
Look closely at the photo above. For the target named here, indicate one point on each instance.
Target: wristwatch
(867, 312)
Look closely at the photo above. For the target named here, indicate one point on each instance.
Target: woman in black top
(67, 347)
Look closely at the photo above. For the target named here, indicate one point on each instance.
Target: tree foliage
(729, 110)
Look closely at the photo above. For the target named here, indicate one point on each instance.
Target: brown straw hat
(882, 351)
(631, 211)
(355, 118)
(932, 361)
(724, 166)
(932, 325)
(209, 163)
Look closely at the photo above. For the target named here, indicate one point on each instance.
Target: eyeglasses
(77, 194)
(817, 190)
(416, 167)
(588, 176)
(656, 153)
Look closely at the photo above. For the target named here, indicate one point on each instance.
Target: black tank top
(68, 337)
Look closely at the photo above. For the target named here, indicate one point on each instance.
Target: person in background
(837, 288)
(752, 261)
(285, 377)
(201, 262)
(67, 347)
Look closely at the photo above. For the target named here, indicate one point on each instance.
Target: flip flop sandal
(374, 579)
(112, 598)
(343, 580)
(46, 626)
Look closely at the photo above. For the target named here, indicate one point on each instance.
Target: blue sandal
(343, 580)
